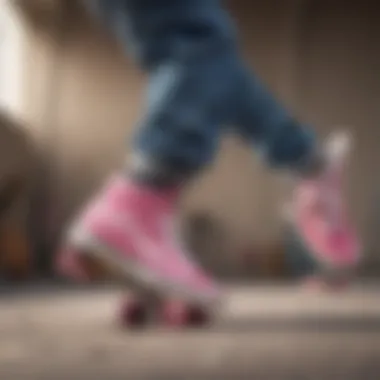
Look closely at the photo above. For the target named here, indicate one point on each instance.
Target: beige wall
(323, 68)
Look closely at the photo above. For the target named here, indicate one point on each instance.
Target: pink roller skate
(131, 229)
(320, 214)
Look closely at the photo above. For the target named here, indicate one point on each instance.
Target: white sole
(81, 240)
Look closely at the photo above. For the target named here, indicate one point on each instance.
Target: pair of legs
(198, 87)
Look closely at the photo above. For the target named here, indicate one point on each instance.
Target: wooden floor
(264, 333)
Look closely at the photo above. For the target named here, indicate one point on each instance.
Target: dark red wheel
(179, 314)
(133, 313)
(197, 316)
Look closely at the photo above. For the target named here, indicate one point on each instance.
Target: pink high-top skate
(131, 228)
(320, 214)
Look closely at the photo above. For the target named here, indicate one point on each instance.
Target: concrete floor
(263, 332)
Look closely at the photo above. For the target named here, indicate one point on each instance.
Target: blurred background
(70, 98)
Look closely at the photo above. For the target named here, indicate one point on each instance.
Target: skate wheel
(178, 314)
(197, 316)
(133, 313)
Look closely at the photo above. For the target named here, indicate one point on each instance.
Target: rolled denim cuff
(153, 172)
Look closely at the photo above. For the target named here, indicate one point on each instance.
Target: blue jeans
(199, 86)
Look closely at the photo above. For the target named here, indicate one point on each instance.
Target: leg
(187, 53)
(318, 211)
(262, 121)
(182, 125)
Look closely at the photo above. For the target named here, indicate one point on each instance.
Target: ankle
(313, 166)
(155, 175)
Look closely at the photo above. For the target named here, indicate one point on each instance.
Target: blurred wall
(83, 98)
